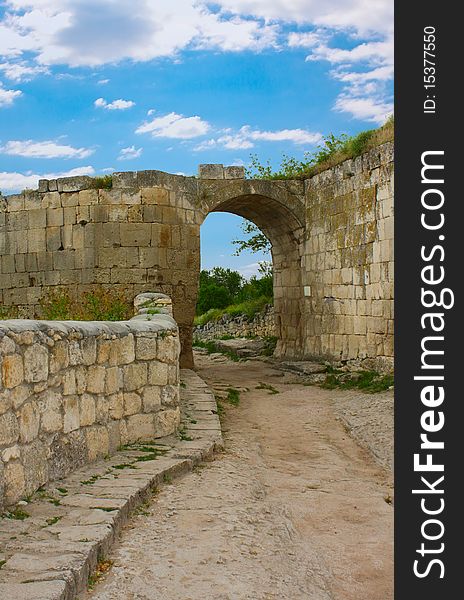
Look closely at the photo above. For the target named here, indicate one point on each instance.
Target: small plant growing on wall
(98, 305)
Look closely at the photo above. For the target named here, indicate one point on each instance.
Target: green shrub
(249, 308)
(333, 151)
(102, 183)
(98, 305)
(212, 295)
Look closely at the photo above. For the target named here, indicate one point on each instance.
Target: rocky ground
(293, 509)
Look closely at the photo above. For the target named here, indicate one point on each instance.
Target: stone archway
(279, 212)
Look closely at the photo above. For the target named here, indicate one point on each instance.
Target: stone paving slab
(51, 544)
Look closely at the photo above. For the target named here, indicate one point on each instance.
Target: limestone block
(135, 376)
(55, 217)
(73, 184)
(89, 350)
(69, 383)
(75, 353)
(87, 410)
(96, 379)
(116, 406)
(36, 363)
(104, 350)
(102, 409)
(15, 483)
(12, 370)
(132, 403)
(88, 197)
(19, 394)
(234, 172)
(81, 379)
(9, 429)
(97, 440)
(114, 380)
(211, 171)
(151, 398)
(146, 348)
(122, 351)
(50, 405)
(135, 234)
(71, 414)
(155, 195)
(170, 395)
(140, 428)
(28, 422)
(36, 240)
(37, 218)
(168, 349)
(166, 422)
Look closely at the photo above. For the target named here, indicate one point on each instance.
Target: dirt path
(294, 508)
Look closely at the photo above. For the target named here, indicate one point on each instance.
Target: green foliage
(233, 396)
(332, 151)
(212, 348)
(224, 291)
(367, 381)
(99, 305)
(249, 308)
(8, 312)
(211, 296)
(258, 242)
(102, 183)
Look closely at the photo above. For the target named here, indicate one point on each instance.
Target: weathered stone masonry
(331, 235)
(72, 392)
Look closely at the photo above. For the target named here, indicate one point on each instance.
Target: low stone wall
(72, 392)
(262, 325)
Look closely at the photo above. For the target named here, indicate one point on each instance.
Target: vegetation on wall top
(332, 152)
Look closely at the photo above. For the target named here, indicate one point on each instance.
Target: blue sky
(90, 87)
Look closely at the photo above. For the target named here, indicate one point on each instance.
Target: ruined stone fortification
(72, 392)
(331, 235)
(261, 325)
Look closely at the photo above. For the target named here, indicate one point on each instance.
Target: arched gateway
(331, 239)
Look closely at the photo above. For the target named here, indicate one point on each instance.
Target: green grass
(99, 305)
(366, 381)
(332, 152)
(212, 348)
(8, 312)
(102, 183)
(52, 521)
(249, 308)
(16, 513)
(233, 396)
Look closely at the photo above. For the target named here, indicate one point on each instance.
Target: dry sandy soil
(293, 509)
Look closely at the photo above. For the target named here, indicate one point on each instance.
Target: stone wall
(140, 235)
(331, 235)
(72, 392)
(347, 261)
(261, 325)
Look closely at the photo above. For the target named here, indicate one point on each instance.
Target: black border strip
(416, 132)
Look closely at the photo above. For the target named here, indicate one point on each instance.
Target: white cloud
(45, 149)
(13, 182)
(82, 33)
(359, 15)
(130, 153)
(365, 108)
(7, 97)
(103, 81)
(21, 71)
(246, 137)
(40, 33)
(115, 105)
(176, 126)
